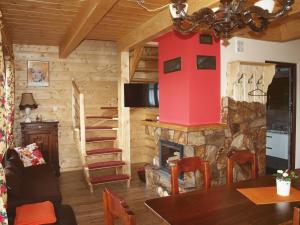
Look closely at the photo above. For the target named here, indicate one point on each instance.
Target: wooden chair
(116, 208)
(295, 220)
(190, 164)
(296, 217)
(240, 157)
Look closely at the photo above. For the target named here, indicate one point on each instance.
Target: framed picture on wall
(172, 65)
(37, 74)
(205, 62)
(205, 39)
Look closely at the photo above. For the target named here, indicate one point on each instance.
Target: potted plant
(283, 181)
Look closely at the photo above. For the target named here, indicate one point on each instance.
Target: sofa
(31, 185)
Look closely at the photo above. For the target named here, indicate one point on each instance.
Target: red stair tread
(103, 151)
(108, 107)
(99, 117)
(92, 139)
(106, 164)
(98, 127)
(109, 178)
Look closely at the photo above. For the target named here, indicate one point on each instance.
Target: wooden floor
(88, 207)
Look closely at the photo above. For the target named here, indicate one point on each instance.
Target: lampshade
(27, 101)
(215, 9)
(266, 5)
(173, 10)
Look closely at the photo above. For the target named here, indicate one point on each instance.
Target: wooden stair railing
(75, 105)
(97, 142)
(78, 118)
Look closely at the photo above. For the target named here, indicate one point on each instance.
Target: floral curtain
(9, 99)
(6, 119)
(2, 100)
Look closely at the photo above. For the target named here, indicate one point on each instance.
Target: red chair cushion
(35, 214)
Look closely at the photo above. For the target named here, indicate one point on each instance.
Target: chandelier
(228, 17)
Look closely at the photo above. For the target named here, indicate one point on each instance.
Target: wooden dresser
(45, 135)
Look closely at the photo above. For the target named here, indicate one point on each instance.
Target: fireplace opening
(167, 150)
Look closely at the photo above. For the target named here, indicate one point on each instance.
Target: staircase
(143, 63)
(101, 158)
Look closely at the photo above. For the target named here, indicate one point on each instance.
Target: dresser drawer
(45, 135)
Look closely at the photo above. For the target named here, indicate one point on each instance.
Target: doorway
(281, 118)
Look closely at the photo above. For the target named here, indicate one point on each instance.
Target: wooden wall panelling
(108, 90)
(93, 64)
(142, 146)
(244, 77)
(124, 113)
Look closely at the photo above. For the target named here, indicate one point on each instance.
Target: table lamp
(27, 103)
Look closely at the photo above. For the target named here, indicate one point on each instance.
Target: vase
(283, 187)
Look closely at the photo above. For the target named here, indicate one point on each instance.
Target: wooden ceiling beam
(279, 30)
(91, 13)
(162, 23)
(290, 30)
(158, 25)
(134, 61)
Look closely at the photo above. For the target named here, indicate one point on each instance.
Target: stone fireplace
(168, 150)
(196, 116)
(243, 127)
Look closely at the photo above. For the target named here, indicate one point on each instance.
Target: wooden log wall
(93, 65)
(143, 147)
(249, 81)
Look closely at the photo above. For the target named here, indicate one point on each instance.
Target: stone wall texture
(246, 129)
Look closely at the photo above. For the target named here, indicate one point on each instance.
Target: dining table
(223, 205)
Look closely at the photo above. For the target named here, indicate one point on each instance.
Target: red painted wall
(189, 96)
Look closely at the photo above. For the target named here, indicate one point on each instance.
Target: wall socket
(239, 46)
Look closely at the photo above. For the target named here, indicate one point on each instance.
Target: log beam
(91, 13)
(158, 25)
(134, 61)
(281, 30)
(162, 23)
(288, 30)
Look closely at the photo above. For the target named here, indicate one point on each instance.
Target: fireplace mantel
(185, 128)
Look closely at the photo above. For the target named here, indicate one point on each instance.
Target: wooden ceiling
(41, 22)
(66, 23)
(124, 17)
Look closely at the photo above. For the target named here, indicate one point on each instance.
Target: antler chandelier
(229, 16)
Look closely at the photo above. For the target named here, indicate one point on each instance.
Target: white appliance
(277, 144)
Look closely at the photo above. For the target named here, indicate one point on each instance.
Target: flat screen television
(141, 95)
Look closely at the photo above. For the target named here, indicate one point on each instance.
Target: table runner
(268, 195)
